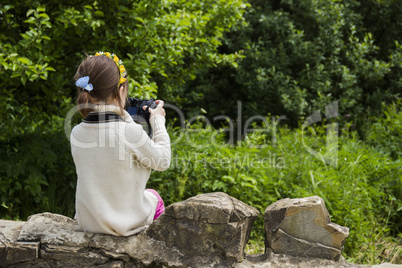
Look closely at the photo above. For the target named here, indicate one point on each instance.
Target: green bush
(300, 56)
(37, 175)
(386, 132)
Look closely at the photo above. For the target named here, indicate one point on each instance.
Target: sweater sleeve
(154, 153)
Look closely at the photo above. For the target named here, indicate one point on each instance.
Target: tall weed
(386, 132)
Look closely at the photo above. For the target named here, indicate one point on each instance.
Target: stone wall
(208, 230)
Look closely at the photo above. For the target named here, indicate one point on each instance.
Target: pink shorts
(160, 207)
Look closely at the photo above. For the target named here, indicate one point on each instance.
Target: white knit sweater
(113, 162)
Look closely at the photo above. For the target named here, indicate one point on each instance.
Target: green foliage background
(277, 57)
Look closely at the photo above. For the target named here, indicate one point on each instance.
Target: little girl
(113, 155)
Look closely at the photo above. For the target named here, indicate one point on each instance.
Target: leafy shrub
(386, 132)
(302, 55)
(37, 174)
(42, 42)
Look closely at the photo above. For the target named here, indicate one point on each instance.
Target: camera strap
(96, 118)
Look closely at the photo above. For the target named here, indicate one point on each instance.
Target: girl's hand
(158, 110)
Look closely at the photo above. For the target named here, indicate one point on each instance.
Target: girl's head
(108, 79)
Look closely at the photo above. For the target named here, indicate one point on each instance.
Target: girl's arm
(154, 153)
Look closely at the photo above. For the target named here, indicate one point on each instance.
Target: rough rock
(209, 230)
(9, 230)
(205, 225)
(11, 251)
(302, 227)
(64, 244)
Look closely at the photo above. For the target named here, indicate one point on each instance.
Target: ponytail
(85, 103)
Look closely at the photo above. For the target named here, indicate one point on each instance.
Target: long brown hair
(104, 75)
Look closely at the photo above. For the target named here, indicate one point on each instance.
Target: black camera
(141, 116)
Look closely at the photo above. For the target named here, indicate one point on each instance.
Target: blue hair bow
(83, 83)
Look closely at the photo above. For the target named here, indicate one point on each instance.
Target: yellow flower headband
(119, 63)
